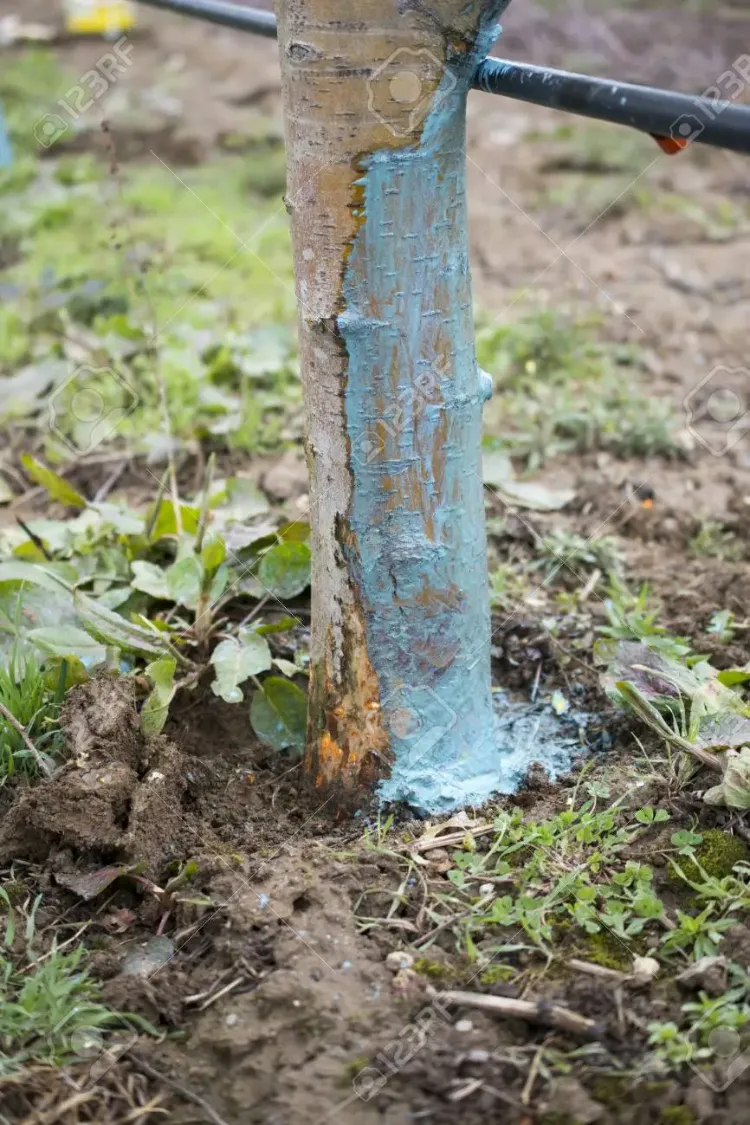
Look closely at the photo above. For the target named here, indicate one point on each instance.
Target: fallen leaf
(88, 885)
(497, 471)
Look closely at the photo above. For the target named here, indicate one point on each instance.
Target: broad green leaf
(280, 626)
(57, 488)
(732, 676)
(75, 673)
(279, 714)
(67, 640)
(219, 583)
(286, 666)
(156, 708)
(150, 579)
(284, 570)
(213, 554)
(243, 500)
(115, 597)
(297, 532)
(165, 524)
(235, 660)
(17, 571)
(727, 731)
(120, 518)
(108, 627)
(185, 581)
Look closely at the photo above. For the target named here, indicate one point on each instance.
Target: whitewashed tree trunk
(375, 104)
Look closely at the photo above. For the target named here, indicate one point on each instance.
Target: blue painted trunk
(414, 397)
(375, 123)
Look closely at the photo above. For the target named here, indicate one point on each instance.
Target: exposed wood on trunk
(375, 126)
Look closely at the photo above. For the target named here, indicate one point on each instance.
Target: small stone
(232, 1019)
(398, 959)
(645, 969)
(407, 982)
(439, 861)
(486, 889)
(463, 1025)
(477, 1055)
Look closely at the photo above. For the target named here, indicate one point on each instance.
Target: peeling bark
(375, 95)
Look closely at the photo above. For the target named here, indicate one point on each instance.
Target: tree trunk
(375, 104)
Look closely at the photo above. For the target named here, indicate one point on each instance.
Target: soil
(276, 917)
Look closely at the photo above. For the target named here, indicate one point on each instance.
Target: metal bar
(681, 118)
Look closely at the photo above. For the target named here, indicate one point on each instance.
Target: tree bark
(375, 106)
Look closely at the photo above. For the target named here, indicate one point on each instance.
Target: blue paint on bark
(413, 397)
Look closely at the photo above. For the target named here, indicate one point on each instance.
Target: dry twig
(533, 1011)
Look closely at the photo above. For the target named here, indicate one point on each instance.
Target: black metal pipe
(679, 118)
(222, 12)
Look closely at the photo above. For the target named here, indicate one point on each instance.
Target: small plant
(25, 692)
(567, 553)
(722, 625)
(157, 594)
(715, 541)
(51, 1012)
(630, 618)
(546, 366)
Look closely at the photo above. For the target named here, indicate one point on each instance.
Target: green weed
(25, 692)
(545, 369)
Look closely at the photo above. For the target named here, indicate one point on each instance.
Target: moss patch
(677, 1115)
(605, 949)
(717, 855)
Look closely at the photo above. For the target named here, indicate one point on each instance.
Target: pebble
(398, 959)
(477, 1055)
(463, 1025)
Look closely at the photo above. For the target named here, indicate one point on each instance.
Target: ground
(235, 939)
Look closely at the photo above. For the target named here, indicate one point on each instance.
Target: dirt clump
(118, 797)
